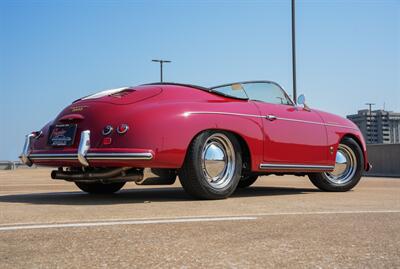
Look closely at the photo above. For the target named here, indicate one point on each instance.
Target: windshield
(234, 90)
(263, 91)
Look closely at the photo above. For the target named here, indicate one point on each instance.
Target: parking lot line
(328, 212)
(183, 219)
(126, 222)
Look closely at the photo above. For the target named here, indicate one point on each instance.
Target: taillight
(123, 128)
(107, 130)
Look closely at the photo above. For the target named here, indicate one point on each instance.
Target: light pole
(161, 67)
(294, 50)
(370, 107)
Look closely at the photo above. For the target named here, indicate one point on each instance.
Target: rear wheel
(348, 168)
(212, 167)
(100, 188)
(247, 181)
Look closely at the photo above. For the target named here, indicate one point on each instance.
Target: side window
(266, 92)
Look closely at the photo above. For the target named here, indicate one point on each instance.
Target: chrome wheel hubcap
(218, 160)
(345, 166)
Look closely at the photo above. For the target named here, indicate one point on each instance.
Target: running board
(296, 167)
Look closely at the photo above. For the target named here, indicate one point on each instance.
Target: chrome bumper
(83, 155)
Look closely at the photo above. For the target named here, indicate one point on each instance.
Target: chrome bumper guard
(84, 146)
(83, 156)
(27, 150)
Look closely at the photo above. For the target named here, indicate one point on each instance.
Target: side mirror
(301, 101)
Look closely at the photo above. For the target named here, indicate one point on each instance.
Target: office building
(378, 126)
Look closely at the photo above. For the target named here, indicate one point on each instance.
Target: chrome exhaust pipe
(117, 174)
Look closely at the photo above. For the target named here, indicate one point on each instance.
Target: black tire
(322, 180)
(247, 181)
(192, 176)
(100, 188)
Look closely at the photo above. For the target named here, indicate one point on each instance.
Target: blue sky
(53, 52)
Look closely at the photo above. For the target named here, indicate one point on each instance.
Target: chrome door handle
(271, 117)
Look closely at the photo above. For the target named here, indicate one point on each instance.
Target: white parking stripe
(327, 212)
(126, 222)
(182, 219)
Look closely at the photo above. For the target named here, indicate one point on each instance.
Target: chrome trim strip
(94, 156)
(302, 121)
(341, 126)
(315, 122)
(120, 156)
(222, 113)
(265, 117)
(54, 156)
(296, 167)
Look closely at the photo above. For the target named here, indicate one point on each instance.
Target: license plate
(62, 135)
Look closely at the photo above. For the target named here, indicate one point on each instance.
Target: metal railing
(12, 165)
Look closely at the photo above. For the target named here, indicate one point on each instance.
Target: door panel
(293, 135)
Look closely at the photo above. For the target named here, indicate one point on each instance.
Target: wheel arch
(246, 152)
(360, 143)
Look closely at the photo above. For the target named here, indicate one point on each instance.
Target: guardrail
(7, 165)
(385, 160)
(12, 165)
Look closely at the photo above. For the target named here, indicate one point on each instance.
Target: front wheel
(100, 188)
(213, 165)
(348, 168)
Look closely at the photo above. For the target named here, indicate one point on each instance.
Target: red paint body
(161, 123)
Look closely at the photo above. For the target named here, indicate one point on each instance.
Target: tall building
(378, 126)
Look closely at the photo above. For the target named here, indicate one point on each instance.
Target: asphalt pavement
(280, 222)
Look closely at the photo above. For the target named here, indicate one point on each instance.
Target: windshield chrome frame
(257, 81)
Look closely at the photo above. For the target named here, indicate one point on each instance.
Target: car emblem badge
(78, 108)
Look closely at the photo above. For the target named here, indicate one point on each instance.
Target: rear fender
(172, 133)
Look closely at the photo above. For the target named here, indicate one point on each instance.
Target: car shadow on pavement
(138, 196)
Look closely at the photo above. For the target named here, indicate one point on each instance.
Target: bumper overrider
(85, 155)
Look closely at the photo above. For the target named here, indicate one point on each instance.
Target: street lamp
(294, 50)
(161, 67)
(370, 106)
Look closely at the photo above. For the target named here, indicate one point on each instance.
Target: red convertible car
(214, 139)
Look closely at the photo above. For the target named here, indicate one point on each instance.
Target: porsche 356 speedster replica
(214, 139)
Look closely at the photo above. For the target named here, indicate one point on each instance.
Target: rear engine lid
(124, 95)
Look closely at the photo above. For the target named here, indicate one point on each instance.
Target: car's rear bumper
(94, 157)
(84, 155)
